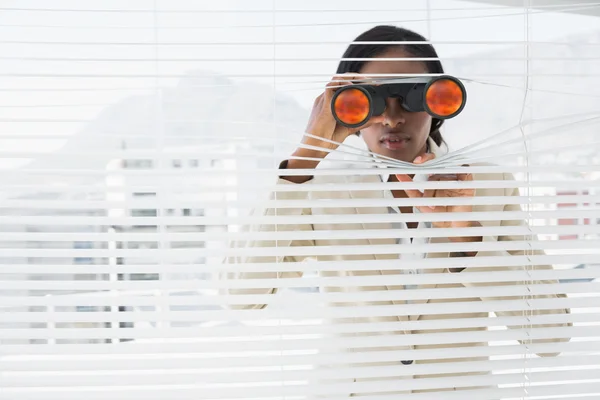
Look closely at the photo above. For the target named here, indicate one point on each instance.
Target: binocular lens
(444, 97)
(352, 106)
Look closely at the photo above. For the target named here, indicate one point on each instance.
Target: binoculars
(441, 97)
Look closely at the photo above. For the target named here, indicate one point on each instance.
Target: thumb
(413, 193)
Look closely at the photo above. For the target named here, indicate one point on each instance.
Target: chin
(400, 155)
(403, 154)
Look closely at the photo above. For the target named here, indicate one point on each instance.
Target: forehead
(394, 67)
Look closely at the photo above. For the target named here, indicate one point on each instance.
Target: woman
(412, 137)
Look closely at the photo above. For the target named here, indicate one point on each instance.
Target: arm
(285, 271)
(516, 207)
(321, 125)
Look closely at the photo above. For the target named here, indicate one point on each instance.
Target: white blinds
(148, 249)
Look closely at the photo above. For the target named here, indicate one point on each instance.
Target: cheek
(368, 134)
(421, 122)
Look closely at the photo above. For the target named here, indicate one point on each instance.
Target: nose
(394, 114)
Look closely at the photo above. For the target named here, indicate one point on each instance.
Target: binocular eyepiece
(441, 97)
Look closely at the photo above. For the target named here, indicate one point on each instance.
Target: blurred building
(198, 134)
(27, 238)
(174, 188)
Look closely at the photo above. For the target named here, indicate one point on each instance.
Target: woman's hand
(445, 193)
(322, 124)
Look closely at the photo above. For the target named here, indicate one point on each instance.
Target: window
(138, 164)
(83, 260)
(143, 213)
(106, 106)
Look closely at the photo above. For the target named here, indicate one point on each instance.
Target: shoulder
(488, 176)
(494, 176)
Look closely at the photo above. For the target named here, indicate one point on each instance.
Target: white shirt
(402, 225)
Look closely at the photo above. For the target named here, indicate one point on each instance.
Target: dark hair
(388, 33)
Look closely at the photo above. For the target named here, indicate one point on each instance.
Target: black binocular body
(442, 97)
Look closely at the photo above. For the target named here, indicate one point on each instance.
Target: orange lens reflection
(352, 106)
(444, 97)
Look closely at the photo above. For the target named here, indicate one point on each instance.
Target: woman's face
(402, 135)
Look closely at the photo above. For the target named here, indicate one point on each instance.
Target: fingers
(435, 193)
(343, 80)
(451, 177)
(444, 177)
(318, 100)
(458, 192)
(429, 193)
(348, 76)
(339, 81)
(465, 177)
(423, 158)
(413, 193)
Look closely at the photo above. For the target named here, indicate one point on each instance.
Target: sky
(52, 91)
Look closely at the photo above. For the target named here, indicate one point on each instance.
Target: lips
(395, 141)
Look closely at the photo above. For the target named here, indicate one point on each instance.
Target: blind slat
(331, 187)
(93, 360)
(580, 212)
(280, 328)
(399, 372)
(525, 305)
(216, 236)
(200, 391)
(323, 250)
(285, 204)
(523, 276)
(161, 171)
(481, 261)
(201, 299)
